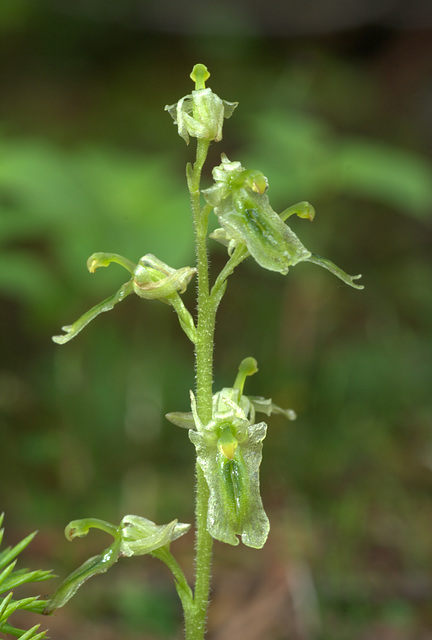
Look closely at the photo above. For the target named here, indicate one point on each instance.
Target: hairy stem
(195, 620)
(218, 289)
(206, 319)
(183, 589)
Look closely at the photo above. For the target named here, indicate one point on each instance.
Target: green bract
(151, 279)
(243, 209)
(201, 113)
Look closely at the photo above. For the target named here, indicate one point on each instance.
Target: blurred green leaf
(13, 13)
(70, 204)
(304, 157)
(391, 176)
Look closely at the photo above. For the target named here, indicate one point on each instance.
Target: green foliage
(10, 579)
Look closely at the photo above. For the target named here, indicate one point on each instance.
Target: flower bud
(141, 536)
(153, 279)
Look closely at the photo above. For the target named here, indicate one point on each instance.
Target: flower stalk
(221, 426)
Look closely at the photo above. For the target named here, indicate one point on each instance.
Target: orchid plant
(222, 426)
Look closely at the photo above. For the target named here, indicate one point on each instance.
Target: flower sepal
(230, 399)
(153, 279)
(141, 536)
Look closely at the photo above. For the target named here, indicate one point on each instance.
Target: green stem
(206, 316)
(183, 589)
(208, 302)
(196, 619)
(240, 253)
(195, 626)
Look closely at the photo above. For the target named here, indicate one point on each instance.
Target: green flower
(243, 209)
(141, 536)
(151, 279)
(229, 452)
(248, 404)
(134, 536)
(201, 113)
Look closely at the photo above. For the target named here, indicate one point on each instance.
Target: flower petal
(235, 506)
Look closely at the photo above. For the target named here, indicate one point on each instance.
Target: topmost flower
(201, 113)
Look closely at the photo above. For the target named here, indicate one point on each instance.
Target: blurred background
(335, 108)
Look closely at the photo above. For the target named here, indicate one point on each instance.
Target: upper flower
(242, 207)
(201, 113)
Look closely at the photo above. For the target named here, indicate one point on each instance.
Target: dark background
(335, 108)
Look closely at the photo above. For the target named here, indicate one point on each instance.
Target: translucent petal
(235, 505)
(243, 209)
